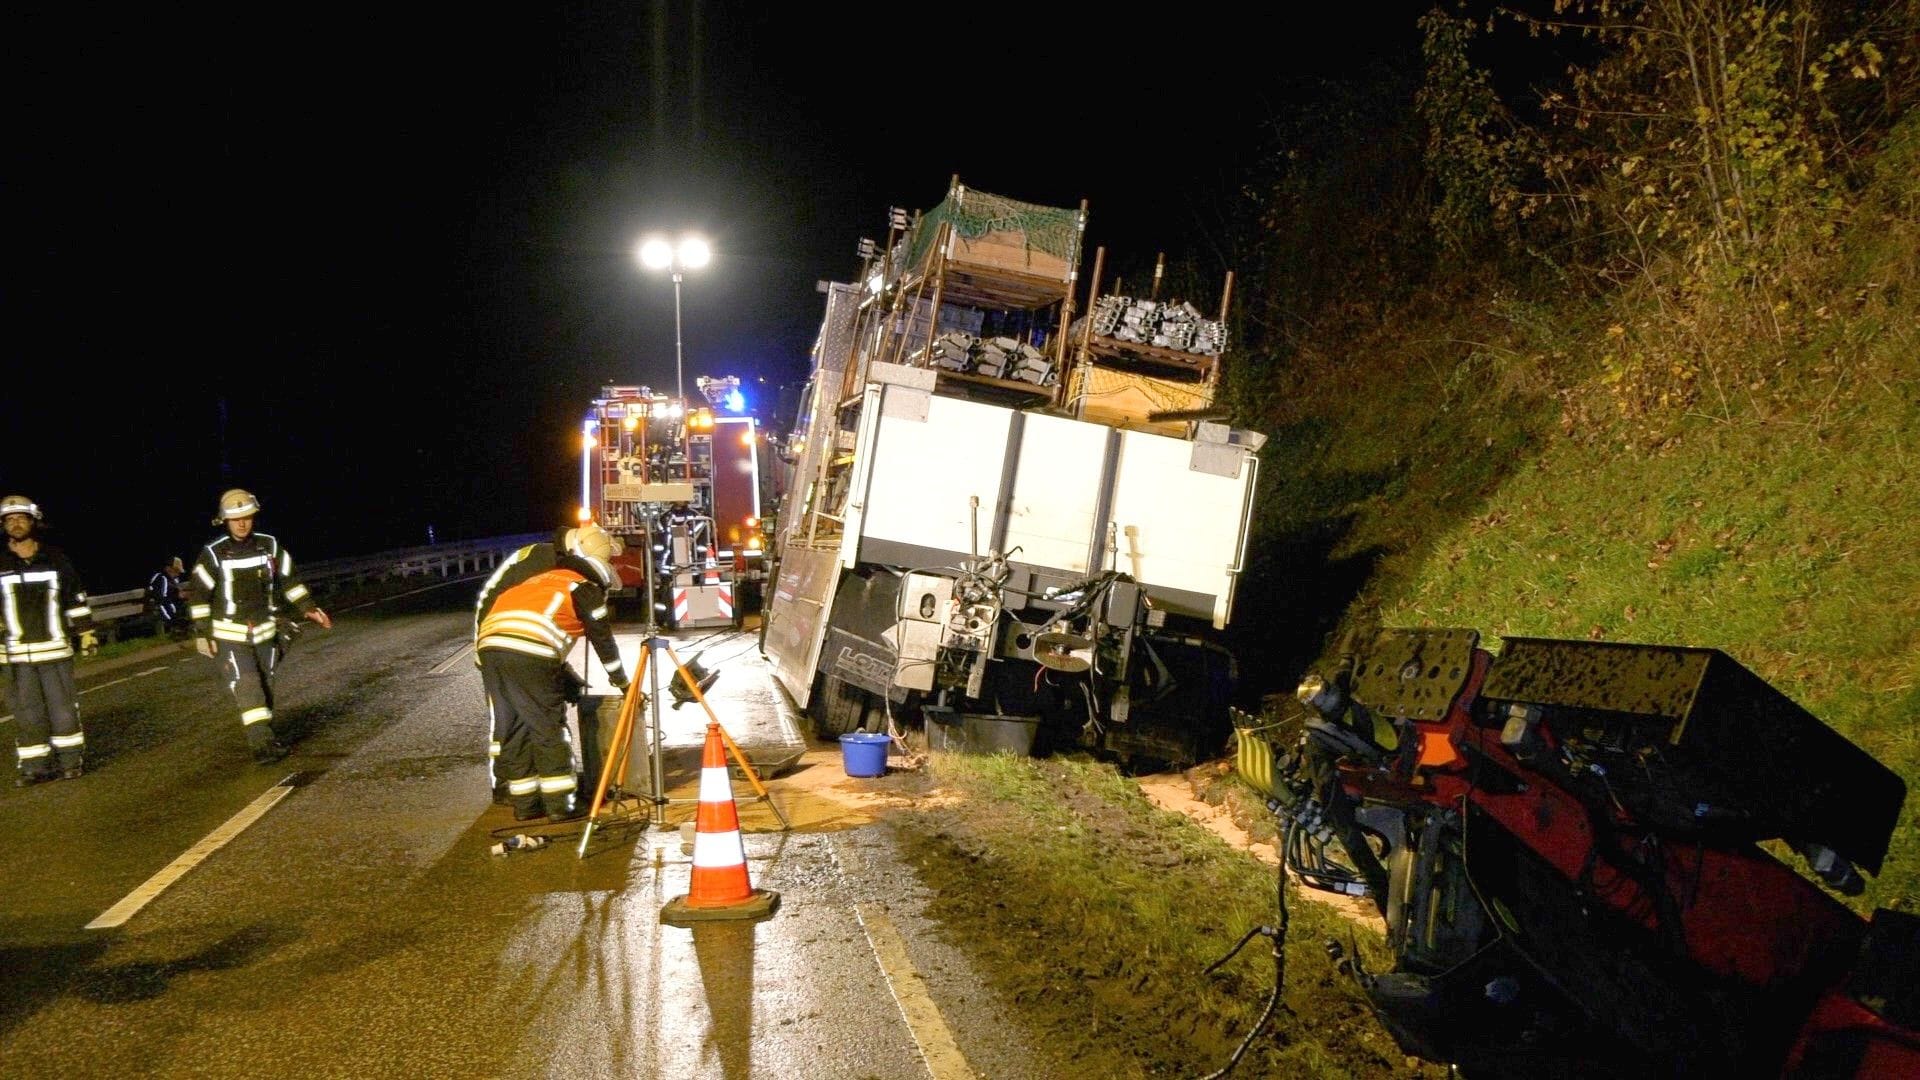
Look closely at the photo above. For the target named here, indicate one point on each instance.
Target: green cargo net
(973, 214)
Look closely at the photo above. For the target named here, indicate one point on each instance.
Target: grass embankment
(1097, 912)
(1616, 468)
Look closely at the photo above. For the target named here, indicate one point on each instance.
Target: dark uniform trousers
(249, 672)
(43, 700)
(527, 700)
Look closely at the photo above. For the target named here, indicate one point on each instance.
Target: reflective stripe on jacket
(545, 614)
(239, 585)
(43, 604)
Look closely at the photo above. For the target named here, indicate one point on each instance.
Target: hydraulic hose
(1278, 936)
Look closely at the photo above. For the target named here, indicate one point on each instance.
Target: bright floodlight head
(694, 252)
(656, 254)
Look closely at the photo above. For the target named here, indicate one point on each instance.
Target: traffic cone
(719, 888)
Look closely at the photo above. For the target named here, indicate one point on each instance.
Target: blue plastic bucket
(864, 754)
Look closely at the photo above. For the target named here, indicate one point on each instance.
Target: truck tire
(843, 708)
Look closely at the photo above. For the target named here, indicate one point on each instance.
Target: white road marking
(943, 1057)
(214, 841)
(102, 686)
(446, 665)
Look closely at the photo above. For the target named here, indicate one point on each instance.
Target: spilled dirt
(816, 794)
(1231, 816)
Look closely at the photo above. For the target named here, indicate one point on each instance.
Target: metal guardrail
(114, 613)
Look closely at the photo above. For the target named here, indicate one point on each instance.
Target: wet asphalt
(361, 928)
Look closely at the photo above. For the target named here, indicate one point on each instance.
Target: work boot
(528, 813)
(72, 772)
(271, 752)
(28, 779)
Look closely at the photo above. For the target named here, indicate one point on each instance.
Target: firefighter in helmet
(525, 630)
(44, 607)
(587, 549)
(242, 581)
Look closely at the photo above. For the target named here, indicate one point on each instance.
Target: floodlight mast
(691, 253)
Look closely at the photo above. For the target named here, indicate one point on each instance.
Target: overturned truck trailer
(969, 543)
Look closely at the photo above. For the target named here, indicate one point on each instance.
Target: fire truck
(680, 485)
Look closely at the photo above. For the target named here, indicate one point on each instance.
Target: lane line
(446, 665)
(102, 686)
(942, 1055)
(172, 872)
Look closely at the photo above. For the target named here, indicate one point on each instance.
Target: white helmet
(237, 503)
(19, 504)
(591, 541)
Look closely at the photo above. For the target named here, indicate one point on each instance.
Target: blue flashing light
(736, 401)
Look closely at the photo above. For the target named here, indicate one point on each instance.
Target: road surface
(181, 911)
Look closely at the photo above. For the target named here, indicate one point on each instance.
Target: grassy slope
(1098, 914)
(1448, 475)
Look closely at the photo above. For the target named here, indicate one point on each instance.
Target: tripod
(620, 747)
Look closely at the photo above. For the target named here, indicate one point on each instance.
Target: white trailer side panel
(924, 471)
(1179, 527)
(1056, 492)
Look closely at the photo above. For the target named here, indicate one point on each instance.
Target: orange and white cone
(719, 888)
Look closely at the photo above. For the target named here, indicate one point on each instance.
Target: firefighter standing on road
(43, 603)
(525, 631)
(241, 582)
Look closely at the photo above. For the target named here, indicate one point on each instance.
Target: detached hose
(1278, 936)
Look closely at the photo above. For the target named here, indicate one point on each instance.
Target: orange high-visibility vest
(535, 617)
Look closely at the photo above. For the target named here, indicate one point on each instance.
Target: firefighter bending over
(587, 549)
(240, 584)
(43, 603)
(524, 638)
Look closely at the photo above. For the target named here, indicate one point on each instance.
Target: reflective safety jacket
(43, 604)
(527, 562)
(518, 567)
(545, 614)
(238, 586)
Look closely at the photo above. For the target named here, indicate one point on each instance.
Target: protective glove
(204, 646)
(89, 642)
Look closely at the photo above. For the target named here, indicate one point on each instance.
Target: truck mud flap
(854, 660)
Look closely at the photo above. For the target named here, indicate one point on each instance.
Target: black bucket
(979, 733)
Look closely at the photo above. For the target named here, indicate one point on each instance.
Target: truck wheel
(843, 708)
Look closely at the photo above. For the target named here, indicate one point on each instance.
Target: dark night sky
(372, 264)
